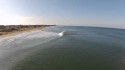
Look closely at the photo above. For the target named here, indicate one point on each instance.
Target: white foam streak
(61, 34)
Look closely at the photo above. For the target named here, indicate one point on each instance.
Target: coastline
(13, 33)
(20, 44)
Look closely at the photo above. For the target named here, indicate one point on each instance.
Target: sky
(99, 13)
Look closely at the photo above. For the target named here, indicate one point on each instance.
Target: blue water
(80, 48)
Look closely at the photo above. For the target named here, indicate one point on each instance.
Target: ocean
(65, 48)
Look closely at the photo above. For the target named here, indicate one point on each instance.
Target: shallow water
(16, 48)
(80, 48)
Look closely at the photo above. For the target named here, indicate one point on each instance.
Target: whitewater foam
(61, 34)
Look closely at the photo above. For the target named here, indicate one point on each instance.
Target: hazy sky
(105, 13)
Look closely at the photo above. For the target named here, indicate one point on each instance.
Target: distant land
(7, 30)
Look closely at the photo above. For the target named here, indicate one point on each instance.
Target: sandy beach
(20, 31)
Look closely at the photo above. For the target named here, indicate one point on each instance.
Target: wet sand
(20, 31)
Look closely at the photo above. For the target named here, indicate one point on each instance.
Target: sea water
(65, 48)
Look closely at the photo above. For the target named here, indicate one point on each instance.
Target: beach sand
(16, 32)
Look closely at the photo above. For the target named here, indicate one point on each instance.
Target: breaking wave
(61, 33)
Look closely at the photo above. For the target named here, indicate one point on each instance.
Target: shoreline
(20, 31)
(14, 47)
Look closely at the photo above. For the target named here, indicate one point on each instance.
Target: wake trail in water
(14, 48)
